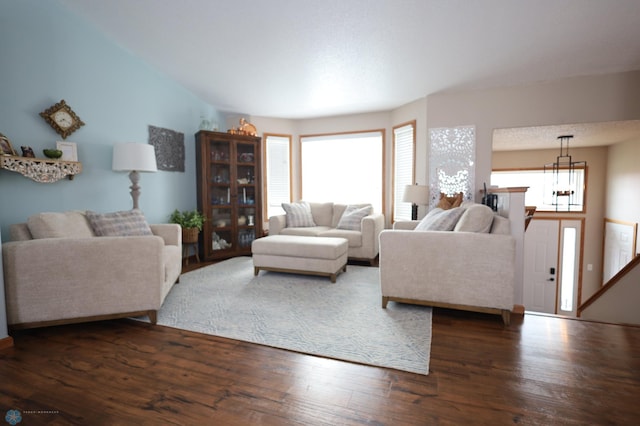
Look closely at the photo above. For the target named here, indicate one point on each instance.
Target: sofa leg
(506, 317)
(255, 271)
(385, 300)
(153, 317)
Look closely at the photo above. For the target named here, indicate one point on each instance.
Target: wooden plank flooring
(540, 370)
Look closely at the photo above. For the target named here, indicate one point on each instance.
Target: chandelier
(562, 182)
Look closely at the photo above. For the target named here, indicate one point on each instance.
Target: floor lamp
(134, 158)
(416, 195)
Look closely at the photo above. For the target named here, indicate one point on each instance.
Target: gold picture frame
(5, 146)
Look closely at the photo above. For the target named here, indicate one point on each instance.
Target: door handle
(551, 279)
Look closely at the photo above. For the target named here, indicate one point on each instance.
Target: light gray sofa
(452, 269)
(363, 243)
(65, 274)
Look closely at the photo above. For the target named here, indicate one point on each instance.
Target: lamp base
(414, 212)
(134, 176)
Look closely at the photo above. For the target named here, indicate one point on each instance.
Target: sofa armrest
(372, 225)
(277, 224)
(408, 225)
(171, 233)
(463, 268)
(60, 278)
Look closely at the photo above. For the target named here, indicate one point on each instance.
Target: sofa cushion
(72, 224)
(298, 214)
(440, 220)
(447, 203)
(322, 213)
(476, 218)
(352, 217)
(307, 231)
(354, 237)
(501, 225)
(119, 224)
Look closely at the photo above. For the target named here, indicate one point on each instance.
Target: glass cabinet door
(246, 191)
(220, 191)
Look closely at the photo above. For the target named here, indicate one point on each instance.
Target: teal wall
(47, 54)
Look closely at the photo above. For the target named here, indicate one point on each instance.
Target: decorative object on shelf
(5, 146)
(134, 158)
(561, 180)
(62, 119)
(69, 150)
(40, 169)
(245, 128)
(27, 151)
(169, 146)
(417, 195)
(52, 153)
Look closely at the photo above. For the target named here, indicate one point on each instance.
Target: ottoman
(300, 255)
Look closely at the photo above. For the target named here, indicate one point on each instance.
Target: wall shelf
(43, 170)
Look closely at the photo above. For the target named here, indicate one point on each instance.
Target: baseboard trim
(7, 342)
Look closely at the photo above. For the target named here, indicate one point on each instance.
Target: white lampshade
(134, 156)
(416, 194)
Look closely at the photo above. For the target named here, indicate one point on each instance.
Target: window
(277, 160)
(404, 150)
(540, 192)
(343, 168)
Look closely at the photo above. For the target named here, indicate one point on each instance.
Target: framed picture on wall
(5, 146)
(69, 150)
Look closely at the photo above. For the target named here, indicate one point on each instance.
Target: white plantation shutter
(404, 141)
(277, 173)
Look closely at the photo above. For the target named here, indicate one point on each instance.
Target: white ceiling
(313, 58)
(584, 135)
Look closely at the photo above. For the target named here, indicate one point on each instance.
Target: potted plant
(191, 222)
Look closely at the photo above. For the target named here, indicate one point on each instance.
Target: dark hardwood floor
(540, 370)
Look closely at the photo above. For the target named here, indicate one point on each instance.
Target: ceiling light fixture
(561, 177)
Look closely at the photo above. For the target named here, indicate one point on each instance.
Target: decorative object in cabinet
(228, 179)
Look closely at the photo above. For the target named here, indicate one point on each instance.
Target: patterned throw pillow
(440, 220)
(447, 203)
(298, 215)
(119, 224)
(352, 217)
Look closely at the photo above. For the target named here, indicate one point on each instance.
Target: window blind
(278, 179)
(403, 142)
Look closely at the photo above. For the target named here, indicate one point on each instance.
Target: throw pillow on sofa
(119, 224)
(352, 217)
(440, 220)
(298, 215)
(476, 218)
(72, 224)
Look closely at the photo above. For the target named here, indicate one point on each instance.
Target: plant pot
(190, 235)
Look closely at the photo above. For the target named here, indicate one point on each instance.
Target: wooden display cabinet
(229, 193)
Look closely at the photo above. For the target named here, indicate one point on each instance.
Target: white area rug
(302, 313)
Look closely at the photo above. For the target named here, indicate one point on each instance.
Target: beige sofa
(460, 269)
(363, 242)
(56, 270)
